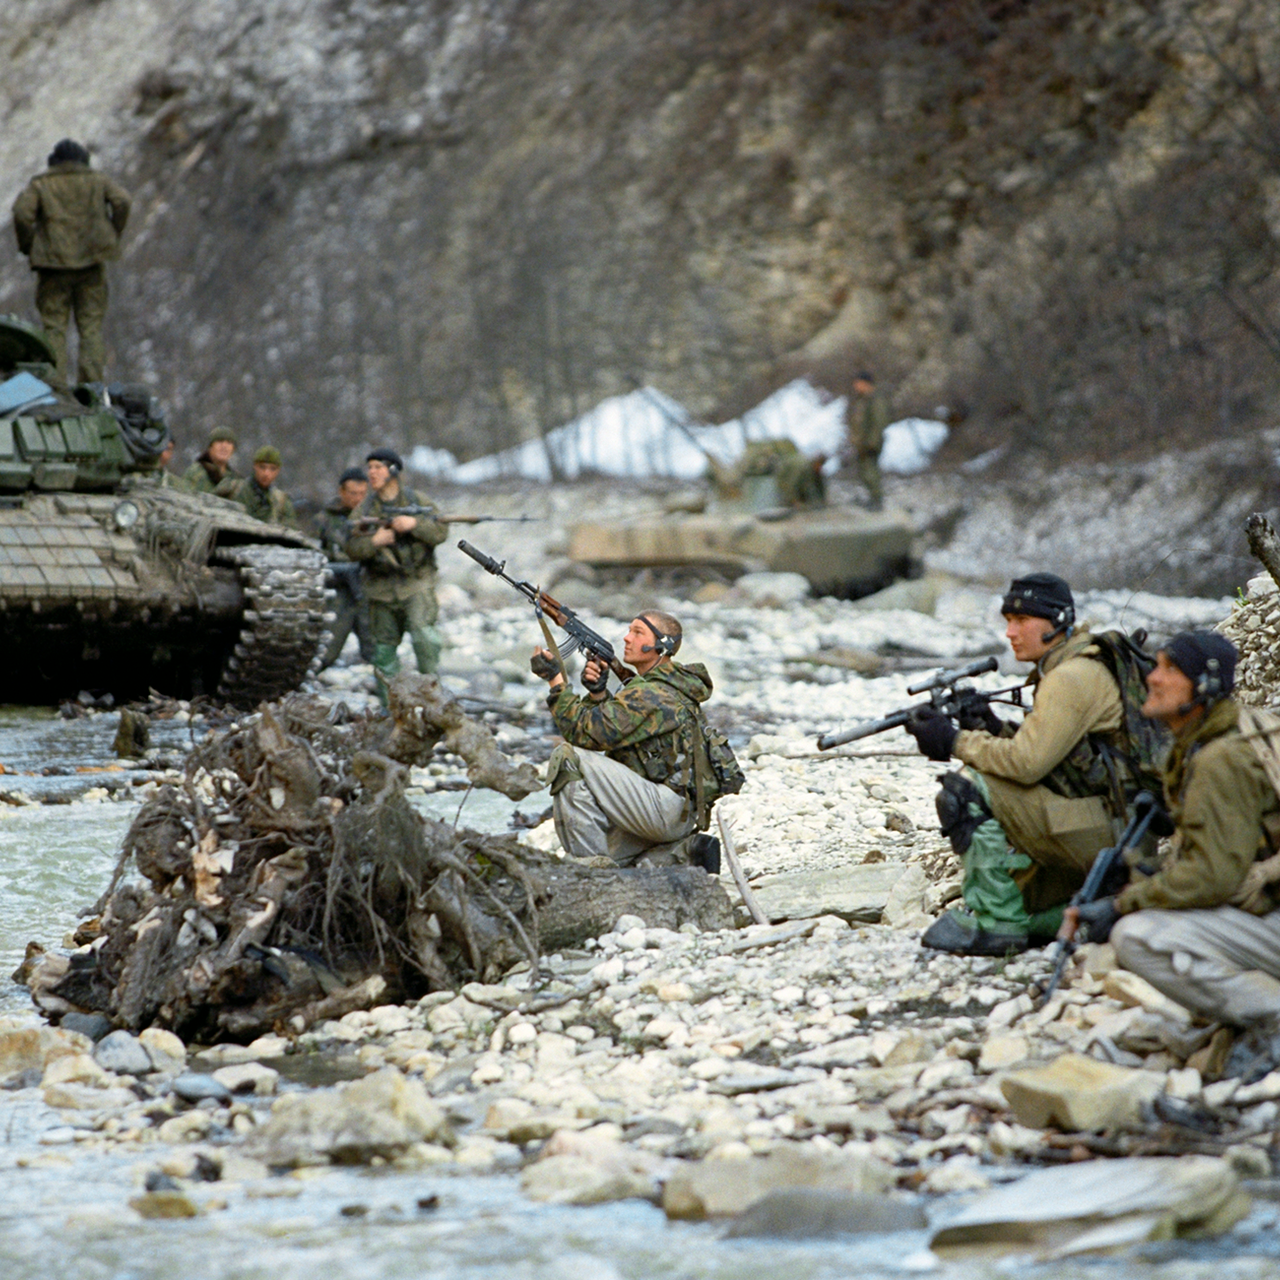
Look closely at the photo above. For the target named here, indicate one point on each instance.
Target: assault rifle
(591, 643)
(946, 694)
(430, 513)
(1099, 883)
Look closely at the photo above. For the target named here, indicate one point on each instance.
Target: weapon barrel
(945, 678)
(487, 563)
(865, 729)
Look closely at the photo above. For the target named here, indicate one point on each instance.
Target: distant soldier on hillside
(69, 221)
(868, 416)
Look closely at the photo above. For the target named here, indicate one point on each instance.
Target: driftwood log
(1264, 543)
(288, 880)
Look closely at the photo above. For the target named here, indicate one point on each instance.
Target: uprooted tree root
(287, 879)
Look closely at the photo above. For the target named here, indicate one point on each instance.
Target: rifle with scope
(581, 637)
(947, 694)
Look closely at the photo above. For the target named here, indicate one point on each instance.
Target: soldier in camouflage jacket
(623, 783)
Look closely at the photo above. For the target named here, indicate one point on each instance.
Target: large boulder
(1097, 1206)
(715, 1188)
(382, 1115)
(31, 1049)
(1077, 1093)
(858, 894)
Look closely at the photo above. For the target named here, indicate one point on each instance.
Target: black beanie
(389, 456)
(67, 152)
(1041, 595)
(353, 473)
(1206, 659)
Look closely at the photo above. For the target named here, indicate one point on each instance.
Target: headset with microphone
(664, 644)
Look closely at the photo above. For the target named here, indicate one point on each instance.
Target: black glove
(1099, 917)
(544, 667)
(600, 683)
(935, 735)
(976, 713)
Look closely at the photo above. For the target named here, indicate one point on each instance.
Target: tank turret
(114, 578)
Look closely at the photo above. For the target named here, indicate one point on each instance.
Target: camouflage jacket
(272, 506)
(408, 565)
(70, 217)
(1223, 807)
(202, 477)
(333, 528)
(650, 725)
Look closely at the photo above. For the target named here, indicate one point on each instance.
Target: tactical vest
(1119, 764)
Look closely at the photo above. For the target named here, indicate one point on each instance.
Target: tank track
(286, 622)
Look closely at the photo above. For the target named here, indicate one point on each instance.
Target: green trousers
(990, 890)
(388, 622)
(869, 473)
(82, 293)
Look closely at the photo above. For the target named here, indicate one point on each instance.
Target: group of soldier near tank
(636, 776)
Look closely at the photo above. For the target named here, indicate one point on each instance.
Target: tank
(114, 580)
(842, 551)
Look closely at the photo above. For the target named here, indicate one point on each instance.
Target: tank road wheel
(286, 622)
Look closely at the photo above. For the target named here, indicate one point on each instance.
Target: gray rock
(93, 1025)
(122, 1052)
(806, 1214)
(759, 1081)
(857, 893)
(193, 1087)
(1099, 1205)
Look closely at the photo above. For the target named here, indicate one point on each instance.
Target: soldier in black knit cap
(1034, 806)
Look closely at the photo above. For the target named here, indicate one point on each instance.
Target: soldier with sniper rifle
(1036, 802)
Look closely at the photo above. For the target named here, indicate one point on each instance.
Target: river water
(64, 1198)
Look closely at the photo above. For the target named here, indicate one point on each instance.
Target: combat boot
(959, 933)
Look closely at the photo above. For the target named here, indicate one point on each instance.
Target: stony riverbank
(645, 1063)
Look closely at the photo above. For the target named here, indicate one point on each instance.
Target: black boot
(704, 852)
(959, 933)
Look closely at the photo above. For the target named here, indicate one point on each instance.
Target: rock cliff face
(460, 222)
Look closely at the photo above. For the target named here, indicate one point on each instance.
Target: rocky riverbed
(825, 1051)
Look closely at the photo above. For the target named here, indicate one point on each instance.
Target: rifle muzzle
(488, 563)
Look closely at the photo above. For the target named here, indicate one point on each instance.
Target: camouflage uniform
(868, 419)
(351, 609)
(68, 221)
(399, 583)
(271, 506)
(624, 781)
(1180, 928)
(202, 476)
(1045, 822)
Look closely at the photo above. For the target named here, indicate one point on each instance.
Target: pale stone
(122, 1053)
(1013, 1139)
(388, 1018)
(662, 1028)
(945, 1073)
(522, 1033)
(88, 1097)
(268, 1046)
(1098, 1204)
(959, 1173)
(715, 1188)
(904, 906)
(632, 940)
(1219, 1094)
(1130, 989)
(191, 1126)
(77, 1068)
(625, 923)
(167, 1052)
(33, 1048)
(854, 893)
(164, 1204)
(999, 1052)
(1098, 958)
(381, 1115)
(574, 1180)
(487, 1073)
(1184, 1084)
(1265, 1090)
(505, 1112)
(709, 1068)
(248, 1077)
(675, 992)
(1007, 1012)
(1079, 1093)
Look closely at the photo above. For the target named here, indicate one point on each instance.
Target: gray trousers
(1223, 964)
(606, 810)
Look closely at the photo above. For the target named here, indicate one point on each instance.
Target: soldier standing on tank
(213, 466)
(397, 555)
(333, 526)
(868, 416)
(69, 221)
(258, 495)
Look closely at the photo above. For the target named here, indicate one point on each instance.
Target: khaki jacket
(1075, 695)
(70, 217)
(201, 478)
(1219, 798)
(271, 506)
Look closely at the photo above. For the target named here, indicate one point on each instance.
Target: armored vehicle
(115, 579)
